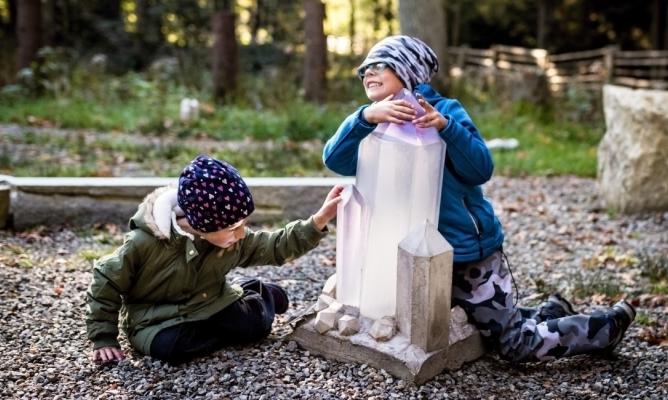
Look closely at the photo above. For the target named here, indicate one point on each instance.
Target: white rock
(460, 328)
(383, 329)
(351, 310)
(348, 325)
(189, 110)
(323, 302)
(336, 307)
(325, 320)
(633, 154)
(329, 288)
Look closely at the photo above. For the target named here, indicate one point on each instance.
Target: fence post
(462, 56)
(609, 62)
(495, 56)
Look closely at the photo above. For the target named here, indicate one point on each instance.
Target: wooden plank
(564, 80)
(640, 83)
(646, 62)
(470, 52)
(578, 55)
(506, 66)
(642, 54)
(483, 62)
(519, 51)
(518, 59)
(642, 73)
(572, 67)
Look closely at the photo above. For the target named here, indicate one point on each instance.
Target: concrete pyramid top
(425, 241)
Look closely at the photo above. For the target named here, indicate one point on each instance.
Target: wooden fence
(591, 69)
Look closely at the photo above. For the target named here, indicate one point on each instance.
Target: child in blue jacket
(481, 277)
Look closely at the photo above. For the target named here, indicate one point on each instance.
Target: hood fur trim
(161, 211)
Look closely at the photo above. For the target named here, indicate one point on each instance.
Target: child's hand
(328, 210)
(388, 110)
(105, 355)
(431, 119)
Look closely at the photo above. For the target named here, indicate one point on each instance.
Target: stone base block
(396, 356)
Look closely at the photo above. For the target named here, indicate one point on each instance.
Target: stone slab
(396, 356)
(85, 201)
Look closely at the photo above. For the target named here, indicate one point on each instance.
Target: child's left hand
(328, 210)
(431, 119)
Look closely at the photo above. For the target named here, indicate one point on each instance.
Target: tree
(541, 23)
(225, 57)
(425, 19)
(28, 31)
(315, 59)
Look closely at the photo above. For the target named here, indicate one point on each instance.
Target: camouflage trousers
(484, 290)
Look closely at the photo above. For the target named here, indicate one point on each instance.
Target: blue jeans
(246, 320)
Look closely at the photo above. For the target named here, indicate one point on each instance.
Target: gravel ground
(558, 238)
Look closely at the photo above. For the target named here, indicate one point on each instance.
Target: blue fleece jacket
(466, 219)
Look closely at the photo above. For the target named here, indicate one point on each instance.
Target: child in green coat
(168, 279)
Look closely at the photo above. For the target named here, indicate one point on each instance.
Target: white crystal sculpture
(398, 187)
(351, 220)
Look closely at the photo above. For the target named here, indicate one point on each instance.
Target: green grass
(548, 145)
(655, 268)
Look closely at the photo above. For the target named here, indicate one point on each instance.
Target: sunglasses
(376, 68)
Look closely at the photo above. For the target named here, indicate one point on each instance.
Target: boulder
(633, 154)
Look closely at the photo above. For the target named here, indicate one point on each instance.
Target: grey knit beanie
(411, 59)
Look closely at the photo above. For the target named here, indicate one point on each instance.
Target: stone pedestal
(397, 356)
(633, 154)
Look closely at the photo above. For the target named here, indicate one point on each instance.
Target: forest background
(93, 88)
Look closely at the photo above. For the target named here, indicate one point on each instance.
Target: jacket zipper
(475, 225)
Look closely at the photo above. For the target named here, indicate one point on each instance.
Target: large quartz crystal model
(393, 267)
(397, 188)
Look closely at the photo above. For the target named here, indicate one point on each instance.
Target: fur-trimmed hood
(157, 214)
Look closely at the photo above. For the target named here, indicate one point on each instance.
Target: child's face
(380, 82)
(227, 237)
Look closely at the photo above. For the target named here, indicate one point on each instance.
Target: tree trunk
(28, 31)
(389, 17)
(315, 59)
(377, 14)
(665, 26)
(149, 30)
(256, 20)
(420, 18)
(541, 24)
(11, 24)
(351, 27)
(49, 22)
(224, 51)
(456, 23)
(654, 28)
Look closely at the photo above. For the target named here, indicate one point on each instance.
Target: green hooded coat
(160, 278)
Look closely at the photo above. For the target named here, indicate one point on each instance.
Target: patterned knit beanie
(213, 195)
(410, 58)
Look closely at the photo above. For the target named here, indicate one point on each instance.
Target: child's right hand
(328, 210)
(105, 355)
(388, 110)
